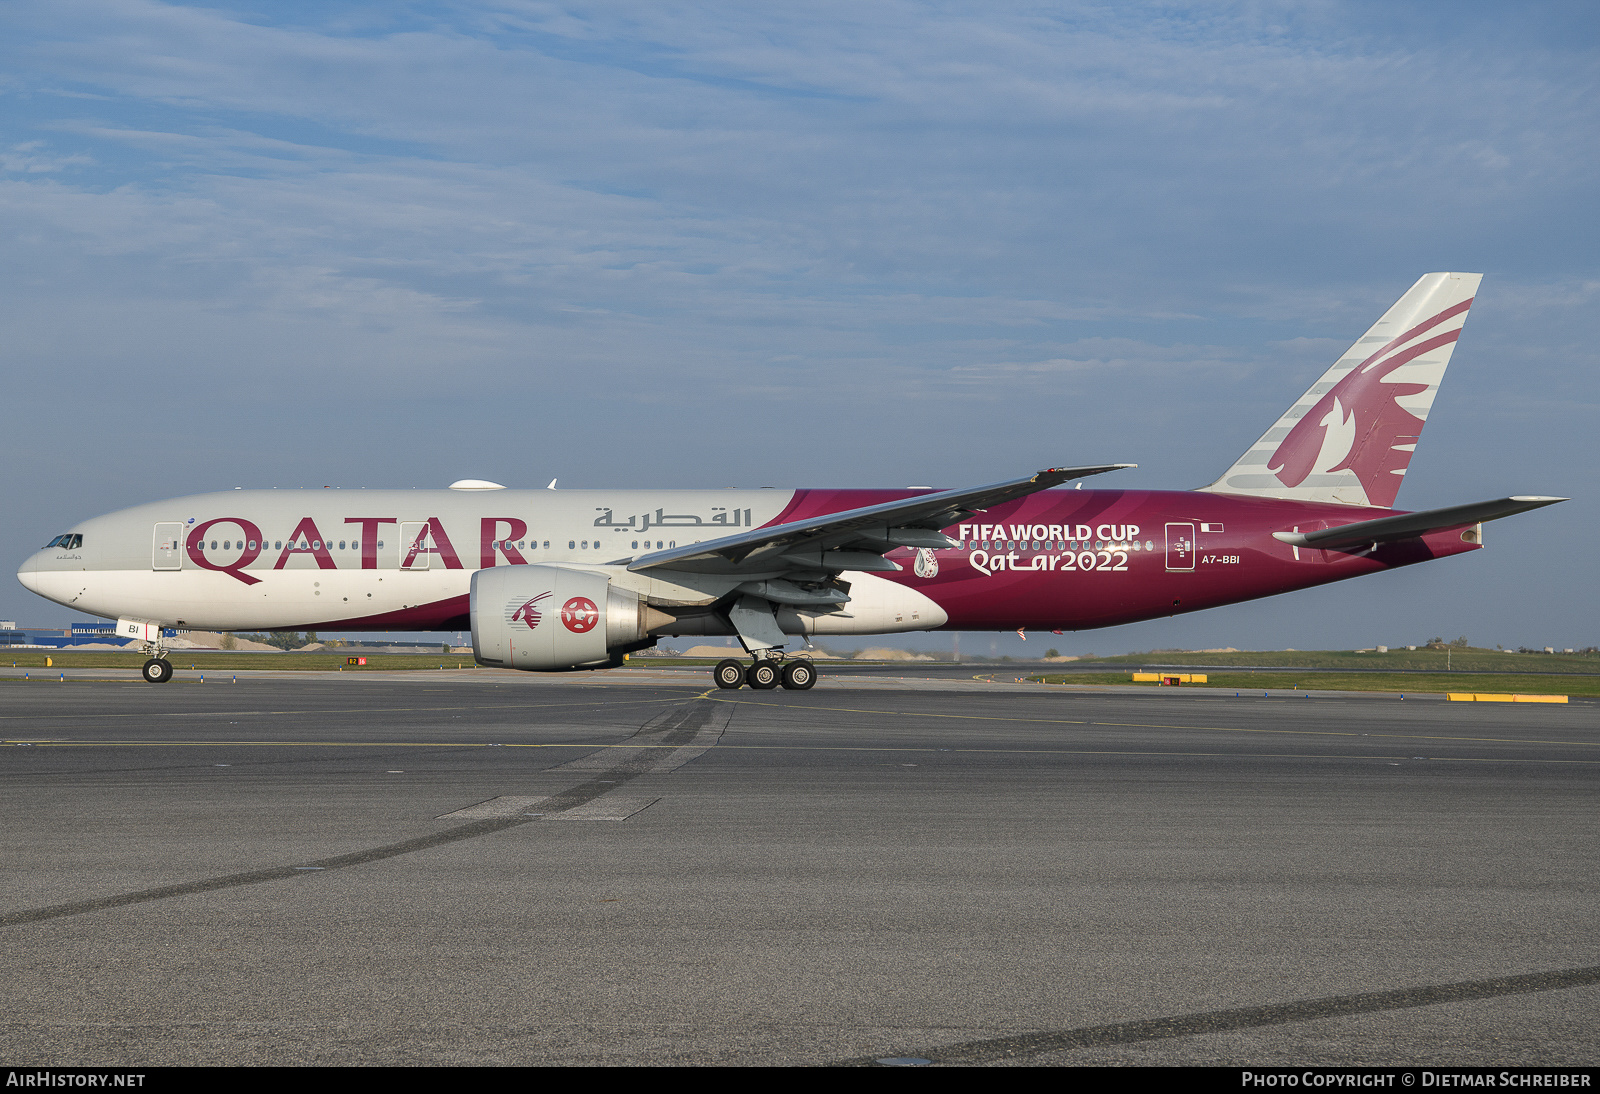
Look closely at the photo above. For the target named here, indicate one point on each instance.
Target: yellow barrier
(1484, 697)
(1158, 677)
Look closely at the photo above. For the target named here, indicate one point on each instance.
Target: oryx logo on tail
(1351, 437)
(1360, 425)
(527, 613)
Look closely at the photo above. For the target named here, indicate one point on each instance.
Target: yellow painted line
(295, 744)
(1159, 725)
(924, 750)
(147, 715)
(359, 744)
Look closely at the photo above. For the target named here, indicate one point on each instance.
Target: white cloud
(33, 158)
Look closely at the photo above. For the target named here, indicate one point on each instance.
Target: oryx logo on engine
(527, 613)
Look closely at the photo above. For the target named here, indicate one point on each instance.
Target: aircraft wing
(855, 539)
(1412, 525)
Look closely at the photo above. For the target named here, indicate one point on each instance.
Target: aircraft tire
(799, 675)
(729, 675)
(763, 675)
(157, 670)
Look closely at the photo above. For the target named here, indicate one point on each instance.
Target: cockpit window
(68, 542)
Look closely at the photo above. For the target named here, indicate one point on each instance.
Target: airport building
(96, 632)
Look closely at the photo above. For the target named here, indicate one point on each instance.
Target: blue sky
(390, 244)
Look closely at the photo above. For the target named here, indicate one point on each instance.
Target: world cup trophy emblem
(927, 564)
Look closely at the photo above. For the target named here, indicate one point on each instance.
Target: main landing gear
(754, 622)
(766, 674)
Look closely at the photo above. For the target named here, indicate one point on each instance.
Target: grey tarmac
(351, 868)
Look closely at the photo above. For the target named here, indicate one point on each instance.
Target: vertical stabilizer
(1350, 438)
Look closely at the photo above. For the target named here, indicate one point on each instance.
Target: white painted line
(508, 806)
(606, 808)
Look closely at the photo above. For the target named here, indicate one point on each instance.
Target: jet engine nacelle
(551, 618)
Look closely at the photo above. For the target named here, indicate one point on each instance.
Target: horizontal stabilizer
(1412, 525)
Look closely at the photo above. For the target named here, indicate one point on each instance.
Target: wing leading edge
(855, 539)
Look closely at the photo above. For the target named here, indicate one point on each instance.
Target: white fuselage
(403, 559)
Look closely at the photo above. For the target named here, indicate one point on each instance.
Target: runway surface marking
(341, 710)
(692, 727)
(1187, 1025)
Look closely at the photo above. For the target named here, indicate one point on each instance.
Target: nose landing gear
(157, 669)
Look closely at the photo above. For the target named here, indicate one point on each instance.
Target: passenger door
(166, 552)
(414, 544)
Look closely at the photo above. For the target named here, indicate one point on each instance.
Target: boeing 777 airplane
(557, 580)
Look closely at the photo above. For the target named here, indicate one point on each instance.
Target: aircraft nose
(28, 574)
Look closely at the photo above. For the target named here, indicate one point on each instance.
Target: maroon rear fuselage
(1065, 559)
